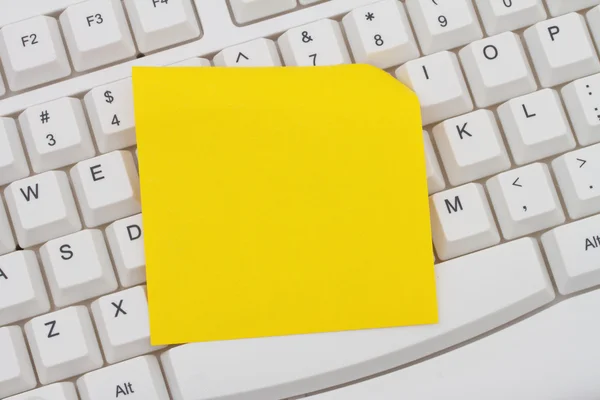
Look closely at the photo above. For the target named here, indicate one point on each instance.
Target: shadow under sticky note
(281, 201)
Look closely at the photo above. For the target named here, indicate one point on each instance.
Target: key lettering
(134, 232)
(553, 30)
(3, 275)
(490, 52)
(462, 131)
(527, 112)
(96, 19)
(31, 39)
(453, 207)
(125, 389)
(30, 192)
(240, 55)
(592, 243)
(425, 72)
(96, 171)
(119, 308)
(51, 332)
(156, 2)
(67, 254)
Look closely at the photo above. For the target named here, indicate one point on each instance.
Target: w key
(42, 208)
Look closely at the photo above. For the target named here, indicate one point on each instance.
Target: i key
(78, 267)
(126, 240)
(561, 49)
(123, 325)
(32, 53)
(107, 187)
(440, 85)
(582, 99)
(318, 43)
(578, 175)
(56, 134)
(525, 200)
(22, 291)
(96, 33)
(136, 379)
(42, 208)
(110, 108)
(63, 344)
(443, 24)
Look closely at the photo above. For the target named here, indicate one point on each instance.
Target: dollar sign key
(109, 97)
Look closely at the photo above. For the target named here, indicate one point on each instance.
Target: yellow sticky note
(281, 201)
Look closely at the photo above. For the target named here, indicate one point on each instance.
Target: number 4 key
(380, 35)
(111, 113)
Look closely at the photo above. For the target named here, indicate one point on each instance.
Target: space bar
(476, 293)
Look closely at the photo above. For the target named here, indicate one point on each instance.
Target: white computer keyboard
(510, 96)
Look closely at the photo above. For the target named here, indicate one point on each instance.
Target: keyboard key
(110, 108)
(96, 33)
(471, 147)
(126, 240)
(123, 325)
(137, 379)
(257, 53)
(536, 126)
(561, 49)
(16, 373)
(439, 83)
(160, 23)
(56, 134)
(593, 18)
(7, 241)
(192, 62)
(250, 10)
(318, 43)
(78, 267)
(578, 175)
(22, 291)
(435, 179)
(582, 99)
(13, 164)
(107, 187)
(42, 208)
(558, 7)
(2, 89)
(573, 253)
(508, 15)
(33, 53)
(525, 200)
(379, 34)
(56, 391)
(443, 25)
(497, 69)
(461, 221)
(476, 293)
(63, 344)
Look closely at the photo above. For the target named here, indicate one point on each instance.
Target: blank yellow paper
(281, 201)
